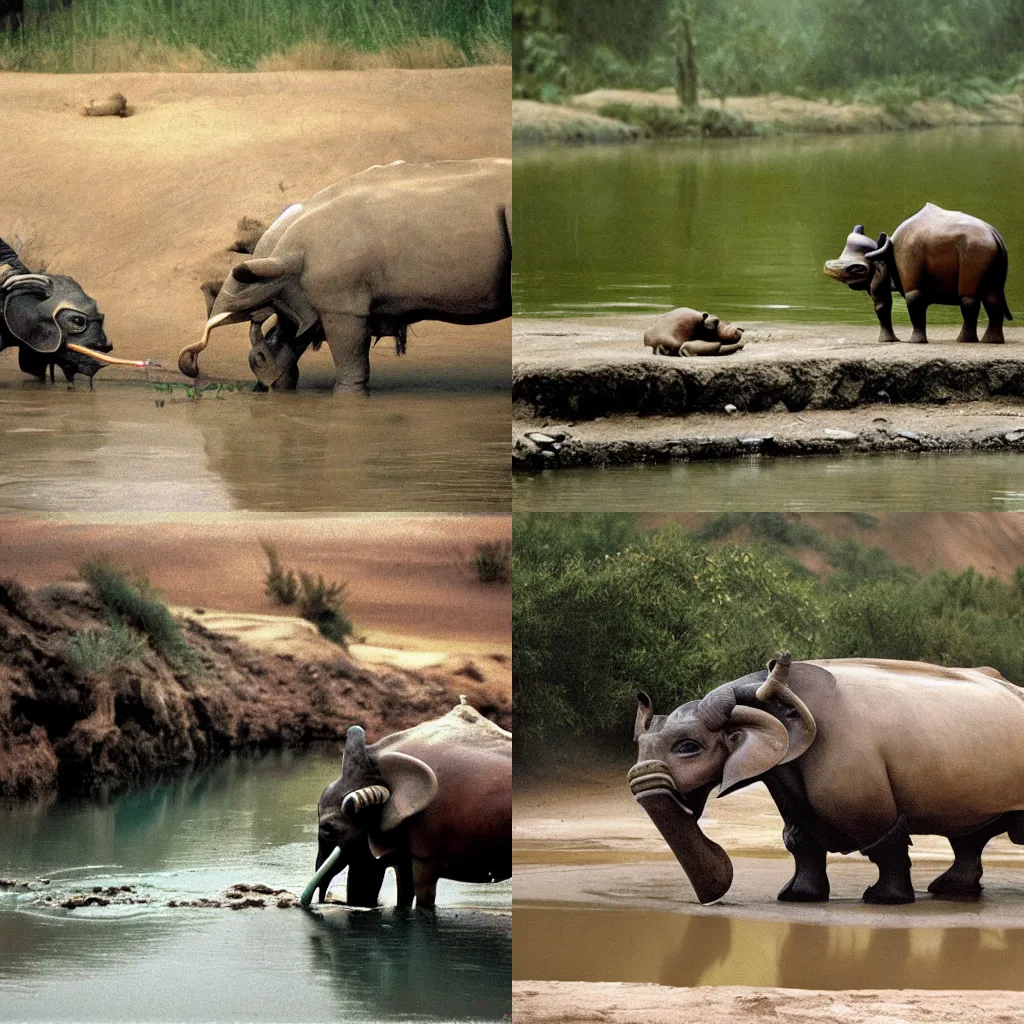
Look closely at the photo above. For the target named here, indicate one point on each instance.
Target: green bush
(493, 561)
(317, 601)
(677, 615)
(281, 585)
(136, 604)
(101, 650)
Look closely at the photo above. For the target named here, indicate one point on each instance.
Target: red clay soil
(990, 542)
(66, 730)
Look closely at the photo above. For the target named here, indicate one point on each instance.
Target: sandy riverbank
(141, 210)
(579, 120)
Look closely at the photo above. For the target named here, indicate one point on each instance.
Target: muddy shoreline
(597, 397)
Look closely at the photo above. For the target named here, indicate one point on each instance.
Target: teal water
(242, 821)
(742, 227)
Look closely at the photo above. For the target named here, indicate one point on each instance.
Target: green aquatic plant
(316, 600)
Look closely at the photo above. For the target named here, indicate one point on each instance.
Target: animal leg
(882, 299)
(994, 309)
(348, 338)
(969, 308)
(365, 877)
(809, 883)
(917, 307)
(962, 880)
(889, 854)
(424, 881)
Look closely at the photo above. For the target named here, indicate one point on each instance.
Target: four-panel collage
(274, 597)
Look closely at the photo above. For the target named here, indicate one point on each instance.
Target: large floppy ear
(757, 742)
(412, 783)
(25, 319)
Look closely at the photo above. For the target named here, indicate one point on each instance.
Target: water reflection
(743, 226)
(244, 820)
(868, 483)
(577, 944)
(126, 446)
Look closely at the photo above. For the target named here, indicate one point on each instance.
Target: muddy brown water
(132, 447)
(571, 943)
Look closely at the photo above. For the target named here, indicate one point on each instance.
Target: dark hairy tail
(1006, 266)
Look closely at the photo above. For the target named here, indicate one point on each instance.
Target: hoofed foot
(887, 338)
(918, 338)
(991, 337)
(804, 890)
(957, 884)
(890, 855)
(967, 337)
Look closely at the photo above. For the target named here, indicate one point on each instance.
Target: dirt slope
(142, 209)
(990, 542)
(65, 728)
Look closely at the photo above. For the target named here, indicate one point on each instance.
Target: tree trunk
(12, 14)
(685, 56)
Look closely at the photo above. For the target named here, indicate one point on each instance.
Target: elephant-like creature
(364, 259)
(936, 256)
(433, 801)
(858, 754)
(688, 332)
(51, 321)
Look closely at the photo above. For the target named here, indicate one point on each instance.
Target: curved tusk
(188, 357)
(268, 325)
(365, 797)
(101, 357)
(307, 894)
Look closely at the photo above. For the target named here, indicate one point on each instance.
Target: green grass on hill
(198, 35)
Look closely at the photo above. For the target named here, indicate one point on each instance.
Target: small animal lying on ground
(686, 332)
(113, 106)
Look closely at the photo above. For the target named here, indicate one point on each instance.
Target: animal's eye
(856, 268)
(687, 748)
(76, 322)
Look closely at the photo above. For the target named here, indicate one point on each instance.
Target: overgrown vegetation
(99, 651)
(601, 610)
(210, 35)
(135, 604)
(315, 600)
(891, 52)
(493, 561)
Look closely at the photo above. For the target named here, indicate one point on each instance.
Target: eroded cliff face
(64, 729)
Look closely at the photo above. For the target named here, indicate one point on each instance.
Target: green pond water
(742, 227)
(938, 482)
(251, 821)
(127, 447)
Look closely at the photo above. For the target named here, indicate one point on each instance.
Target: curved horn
(644, 714)
(359, 799)
(776, 687)
(716, 707)
(28, 281)
(858, 229)
(102, 357)
(188, 357)
(883, 250)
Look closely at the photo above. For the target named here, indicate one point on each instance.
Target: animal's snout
(645, 775)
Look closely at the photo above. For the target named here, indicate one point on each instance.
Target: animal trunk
(706, 864)
(322, 872)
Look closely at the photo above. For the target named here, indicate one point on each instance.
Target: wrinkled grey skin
(365, 259)
(41, 313)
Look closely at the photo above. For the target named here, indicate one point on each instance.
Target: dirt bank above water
(65, 728)
(141, 210)
(797, 390)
